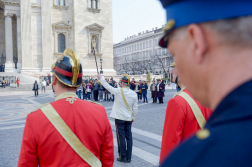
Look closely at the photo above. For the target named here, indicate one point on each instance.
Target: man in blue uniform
(211, 42)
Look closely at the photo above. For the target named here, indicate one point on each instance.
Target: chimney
(152, 29)
(139, 33)
(147, 31)
(143, 32)
(156, 28)
(162, 26)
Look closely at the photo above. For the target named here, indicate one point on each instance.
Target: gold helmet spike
(74, 61)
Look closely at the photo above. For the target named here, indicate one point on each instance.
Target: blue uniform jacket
(230, 141)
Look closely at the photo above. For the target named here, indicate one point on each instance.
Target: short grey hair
(237, 31)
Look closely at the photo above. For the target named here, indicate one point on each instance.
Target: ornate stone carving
(62, 25)
(11, 2)
(60, 7)
(94, 10)
(95, 26)
(35, 5)
(8, 14)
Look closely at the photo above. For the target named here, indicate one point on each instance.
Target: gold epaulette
(39, 107)
(95, 103)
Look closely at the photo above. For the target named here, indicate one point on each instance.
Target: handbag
(163, 90)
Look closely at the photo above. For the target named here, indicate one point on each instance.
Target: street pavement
(147, 128)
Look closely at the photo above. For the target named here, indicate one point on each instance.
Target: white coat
(119, 109)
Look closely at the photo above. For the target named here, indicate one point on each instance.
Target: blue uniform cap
(184, 12)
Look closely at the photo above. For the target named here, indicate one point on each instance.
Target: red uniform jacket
(180, 123)
(43, 145)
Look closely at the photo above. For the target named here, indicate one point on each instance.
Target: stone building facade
(34, 33)
(140, 54)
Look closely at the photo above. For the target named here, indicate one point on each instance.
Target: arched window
(61, 43)
(63, 3)
(57, 2)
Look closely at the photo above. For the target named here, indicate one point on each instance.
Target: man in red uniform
(180, 122)
(69, 131)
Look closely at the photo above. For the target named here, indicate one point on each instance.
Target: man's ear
(198, 38)
(54, 80)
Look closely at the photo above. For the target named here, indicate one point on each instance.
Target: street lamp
(101, 72)
(150, 64)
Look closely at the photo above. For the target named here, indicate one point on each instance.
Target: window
(144, 45)
(132, 48)
(156, 42)
(61, 43)
(143, 54)
(90, 4)
(95, 4)
(150, 44)
(137, 46)
(140, 45)
(57, 2)
(63, 3)
(147, 44)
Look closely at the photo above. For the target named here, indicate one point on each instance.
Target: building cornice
(62, 25)
(95, 26)
(11, 2)
(94, 10)
(35, 5)
(60, 7)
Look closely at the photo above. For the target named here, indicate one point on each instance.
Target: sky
(133, 16)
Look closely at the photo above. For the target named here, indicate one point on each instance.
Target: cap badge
(170, 24)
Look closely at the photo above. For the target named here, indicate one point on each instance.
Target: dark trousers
(145, 97)
(96, 95)
(160, 100)
(36, 92)
(154, 97)
(88, 95)
(139, 95)
(84, 95)
(123, 131)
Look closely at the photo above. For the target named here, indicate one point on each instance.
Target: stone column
(26, 36)
(19, 51)
(9, 65)
(47, 55)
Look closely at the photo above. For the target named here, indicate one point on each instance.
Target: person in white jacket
(124, 111)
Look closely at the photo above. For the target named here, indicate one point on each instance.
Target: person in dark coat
(133, 86)
(160, 91)
(96, 89)
(35, 88)
(144, 88)
(153, 89)
(213, 45)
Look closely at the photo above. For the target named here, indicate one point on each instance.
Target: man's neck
(63, 91)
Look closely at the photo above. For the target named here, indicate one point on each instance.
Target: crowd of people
(5, 83)
(157, 89)
(93, 90)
